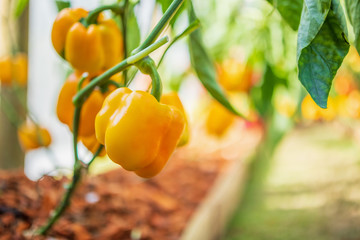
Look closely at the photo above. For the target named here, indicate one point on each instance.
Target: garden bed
(181, 203)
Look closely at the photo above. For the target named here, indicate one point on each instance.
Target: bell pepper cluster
(14, 77)
(137, 132)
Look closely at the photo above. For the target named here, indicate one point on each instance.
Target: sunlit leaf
(203, 64)
(61, 4)
(290, 10)
(322, 46)
(353, 10)
(133, 31)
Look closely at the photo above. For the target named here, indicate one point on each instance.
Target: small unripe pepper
(32, 136)
(138, 132)
(65, 108)
(173, 99)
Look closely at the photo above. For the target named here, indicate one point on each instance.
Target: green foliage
(20, 7)
(263, 94)
(353, 10)
(165, 5)
(204, 66)
(322, 46)
(133, 31)
(61, 4)
(290, 10)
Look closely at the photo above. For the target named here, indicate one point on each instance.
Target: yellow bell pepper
(234, 75)
(219, 119)
(311, 111)
(32, 136)
(65, 108)
(173, 99)
(138, 132)
(89, 49)
(62, 24)
(6, 71)
(20, 69)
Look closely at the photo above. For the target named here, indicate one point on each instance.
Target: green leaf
(20, 7)
(263, 94)
(133, 31)
(165, 5)
(61, 4)
(353, 10)
(204, 66)
(290, 10)
(322, 46)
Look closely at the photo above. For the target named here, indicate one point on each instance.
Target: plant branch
(160, 26)
(93, 15)
(118, 68)
(192, 27)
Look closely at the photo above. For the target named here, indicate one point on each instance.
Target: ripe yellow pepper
(173, 99)
(65, 108)
(138, 132)
(352, 104)
(20, 69)
(32, 136)
(62, 24)
(88, 49)
(14, 70)
(219, 119)
(311, 111)
(235, 76)
(6, 71)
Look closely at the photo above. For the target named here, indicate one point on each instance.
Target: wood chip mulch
(114, 205)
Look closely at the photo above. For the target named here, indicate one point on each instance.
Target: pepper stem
(93, 15)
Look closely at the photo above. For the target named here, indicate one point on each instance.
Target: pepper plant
(99, 50)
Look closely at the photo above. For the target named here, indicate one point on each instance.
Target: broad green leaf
(353, 10)
(322, 46)
(20, 7)
(133, 31)
(204, 66)
(61, 4)
(290, 10)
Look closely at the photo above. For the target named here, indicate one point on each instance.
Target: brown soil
(114, 205)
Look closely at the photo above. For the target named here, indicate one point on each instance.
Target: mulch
(113, 205)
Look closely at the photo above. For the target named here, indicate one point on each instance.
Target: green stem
(10, 112)
(124, 17)
(98, 151)
(147, 66)
(81, 81)
(192, 27)
(76, 176)
(64, 203)
(118, 68)
(93, 15)
(160, 26)
(76, 122)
